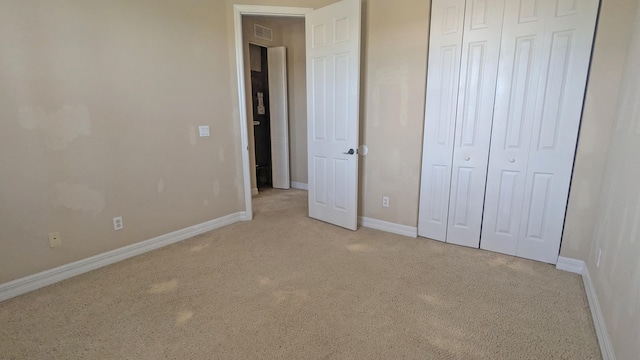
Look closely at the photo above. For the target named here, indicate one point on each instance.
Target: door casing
(238, 12)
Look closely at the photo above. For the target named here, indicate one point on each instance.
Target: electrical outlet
(599, 256)
(117, 223)
(385, 201)
(54, 239)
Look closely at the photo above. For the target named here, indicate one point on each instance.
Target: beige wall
(293, 37)
(604, 208)
(99, 107)
(617, 229)
(394, 71)
(100, 103)
(609, 55)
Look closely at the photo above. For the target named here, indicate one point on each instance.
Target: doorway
(331, 164)
(239, 11)
(259, 68)
(274, 68)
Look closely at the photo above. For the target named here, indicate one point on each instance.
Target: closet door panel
(445, 49)
(519, 70)
(478, 74)
(568, 39)
(543, 67)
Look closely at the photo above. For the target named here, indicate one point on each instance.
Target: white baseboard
(570, 265)
(410, 231)
(579, 267)
(606, 347)
(52, 276)
(300, 186)
(254, 191)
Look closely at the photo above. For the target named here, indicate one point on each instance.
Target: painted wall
(99, 107)
(604, 206)
(293, 38)
(100, 103)
(617, 229)
(393, 88)
(601, 102)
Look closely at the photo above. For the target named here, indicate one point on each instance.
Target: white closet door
(279, 116)
(532, 156)
(445, 49)
(478, 75)
(512, 124)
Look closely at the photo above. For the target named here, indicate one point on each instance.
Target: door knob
(512, 160)
(350, 152)
(467, 158)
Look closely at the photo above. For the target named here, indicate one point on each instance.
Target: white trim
(238, 11)
(254, 192)
(299, 185)
(52, 276)
(410, 231)
(579, 267)
(244, 131)
(606, 347)
(570, 265)
(264, 10)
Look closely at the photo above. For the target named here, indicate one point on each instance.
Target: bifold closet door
(279, 112)
(445, 51)
(476, 96)
(544, 62)
(463, 63)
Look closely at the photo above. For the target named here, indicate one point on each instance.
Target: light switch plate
(204, 131)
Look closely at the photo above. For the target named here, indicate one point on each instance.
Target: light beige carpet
(285, 286)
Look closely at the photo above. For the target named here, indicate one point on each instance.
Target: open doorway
(275, 90)
(333, 36)
(259, 68)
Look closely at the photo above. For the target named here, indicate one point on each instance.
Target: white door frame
(238, 11)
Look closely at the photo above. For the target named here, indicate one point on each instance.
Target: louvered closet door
(543, 69)
(445, 51)
(477, 87)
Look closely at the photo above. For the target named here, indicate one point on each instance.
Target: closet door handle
(512, 160)
(467, 158)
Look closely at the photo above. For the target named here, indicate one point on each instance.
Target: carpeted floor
(285, 286)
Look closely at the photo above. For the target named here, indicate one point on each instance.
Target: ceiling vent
(262, 32)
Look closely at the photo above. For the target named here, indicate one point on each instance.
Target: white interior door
(542, 79)
(333, 79)
(445, 49)
(477, 87)
(279, 116)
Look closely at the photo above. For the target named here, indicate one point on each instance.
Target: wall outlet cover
(117, 223)
(54, 239)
